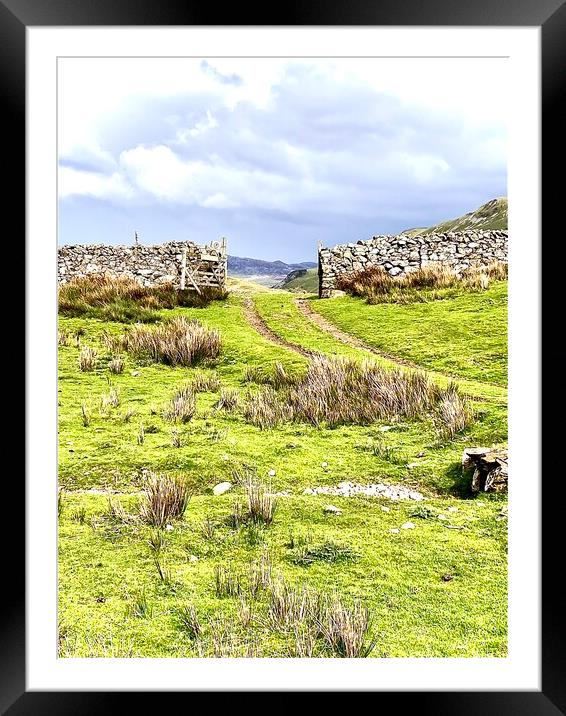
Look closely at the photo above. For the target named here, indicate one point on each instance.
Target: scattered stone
(421, 454)
(135, 373)
(193, 558)
(348, 489)
(447, 577)
(169, 528)
(271, 473)
(407, 526)
(411, 465)
(442, 517)
(385, 509)
(324, 464)
(394, 531)
(221, 488)
(452, 509)
(333, 510)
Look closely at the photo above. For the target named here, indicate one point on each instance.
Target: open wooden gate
(204, 266)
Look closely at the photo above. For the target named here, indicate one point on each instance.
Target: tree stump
(489, 467)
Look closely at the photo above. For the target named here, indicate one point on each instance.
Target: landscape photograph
(282, 358)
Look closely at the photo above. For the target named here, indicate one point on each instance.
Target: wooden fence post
(183, 268)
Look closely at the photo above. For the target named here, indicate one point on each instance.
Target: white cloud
(75, 182)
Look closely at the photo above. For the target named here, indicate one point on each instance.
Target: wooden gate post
(183, 268)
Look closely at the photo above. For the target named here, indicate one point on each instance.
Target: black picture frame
(550, 16)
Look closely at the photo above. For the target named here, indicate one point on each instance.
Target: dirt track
(257, 322)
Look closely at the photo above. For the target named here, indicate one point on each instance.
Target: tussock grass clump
(260, 574)
(182, 407)
(110, 399)
(265, 409)
(261, 503)
(139, 606)
(166, 498)
(329, 552)
(86, 416)
(227, 583)
(452, 414)
(87, 359)
(345, 629)
(278, 376)
(124, 299)
(229, 399)
(116, 365)
(190, 622)
(342, 391)
(180, 341)
(205, 381)
(376, 285)
(289, 605)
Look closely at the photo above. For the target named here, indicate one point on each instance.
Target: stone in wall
(401, 254)
(150, 265)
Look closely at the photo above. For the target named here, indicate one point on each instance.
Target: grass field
(436, 589)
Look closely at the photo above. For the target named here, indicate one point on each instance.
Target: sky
(275, 154)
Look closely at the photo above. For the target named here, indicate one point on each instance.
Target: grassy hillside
(435, 589)
(492, 215)
(308, 283)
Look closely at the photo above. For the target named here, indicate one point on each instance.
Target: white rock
(271, 473)
(193, 558)
(385, 509)
(407, 526)
(442, 517)
(324, 464)
(452, 509)
(333, 510)
(221, 488)
(394, 531)
(169, 528)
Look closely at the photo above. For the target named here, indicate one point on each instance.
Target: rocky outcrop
(401, 254)
(488, 469)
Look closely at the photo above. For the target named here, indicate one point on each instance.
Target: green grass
(416, 613)
(107, 571)
(306, 284)
(465, 336)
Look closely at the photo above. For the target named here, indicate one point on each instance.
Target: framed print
(275, 384)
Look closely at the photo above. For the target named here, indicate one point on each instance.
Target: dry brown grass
(166, 498)
(342, 391)
(205, 381)
(229, 399)
(123, 298)
(116, 365)
(452, 413)
(87, 359)
(345, 629)
(180, 341)
(182, 407)
(376, 285)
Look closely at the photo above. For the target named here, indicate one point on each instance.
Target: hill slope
(243, 266)
(492, 215)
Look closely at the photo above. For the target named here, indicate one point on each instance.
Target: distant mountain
(240, 266)
(492, 215)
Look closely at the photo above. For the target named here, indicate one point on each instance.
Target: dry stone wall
(401, 254)
(149, 265)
